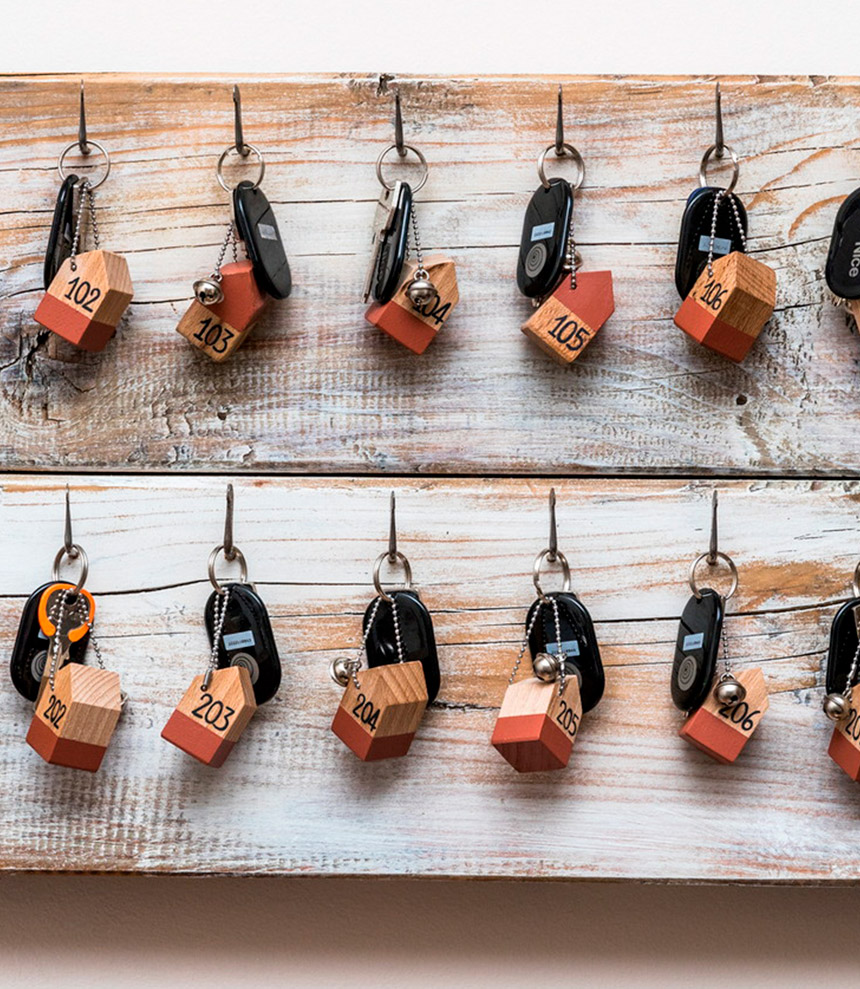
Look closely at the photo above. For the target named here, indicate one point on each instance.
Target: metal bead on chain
(729, 692)
(570, 257)
(732, 199)
(87, 196)
(837, 706)
(421, 289)
(524, 645)
(77, 613)
(208, 290)
(341, 668)
(219, 616)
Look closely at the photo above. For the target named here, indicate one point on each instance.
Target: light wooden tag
(537, 725)
(379, 720)
(415, 326)
(220, 329)
(844, 747)
(728, 310)
(74, 722)
(207, 723)
(84, 306)
(568, 320)
(723, 731)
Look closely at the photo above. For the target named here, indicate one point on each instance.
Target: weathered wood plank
(636, 802)
(317, 389)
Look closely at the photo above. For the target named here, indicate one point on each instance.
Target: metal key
(65, 617)
(386, 210)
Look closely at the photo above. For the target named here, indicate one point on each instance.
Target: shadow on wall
(129, 931)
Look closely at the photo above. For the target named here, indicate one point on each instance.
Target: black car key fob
(247, 639)
(390, 233)
(843, 646)
(416, 636)
(62, 229)
(543, 246)
(842, 269)
(695, 236)
(30, 652)
(578, 641)
(697, 649)
(258, 228)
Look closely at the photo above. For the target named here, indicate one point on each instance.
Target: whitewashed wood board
(318, 389)
(636, 802)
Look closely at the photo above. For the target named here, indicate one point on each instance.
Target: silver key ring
(407, 147)
(237, 555)
(565, 570)
(94, 144)
(377, 573)
(736, 168)
(569, 152)
(74, 552)
(724, 558)
(220, 166)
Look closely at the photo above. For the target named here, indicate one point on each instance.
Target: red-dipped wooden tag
(569, 319)
(221, 328)
(537, 725)
(207, 723)
(416, 326)
(85, 303)
(726, 310)
(378, 718)
(721, 730)
(74, 721)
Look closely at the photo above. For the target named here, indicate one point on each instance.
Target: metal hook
(552, 554)
(719, 143)
(69, 543)
(398, 125)
(713, 552)
(392, 534)
(229, 549)
(238, 136)
(83, 146)
(559, 126)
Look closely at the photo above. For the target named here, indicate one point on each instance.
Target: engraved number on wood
(432, 310)
(713, 294)
(568, 719)
(214, 335)
(740, 714)
(566, 329)
(83, 294)
(852, 725)
(211, 711)
(55, 711)
(366, 712)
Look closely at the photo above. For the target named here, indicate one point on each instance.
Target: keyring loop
(74, 552)
(569, 152)
(406, 147)
(93, 144)
(856, 582)
(237, 555)
(736, 168)
(220, 166)
(729, 562)
(377, 571)
(565, 570)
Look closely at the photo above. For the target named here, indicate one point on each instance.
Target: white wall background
(91, 931)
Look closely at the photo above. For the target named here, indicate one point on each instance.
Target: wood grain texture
(635, 802)
(316, 388)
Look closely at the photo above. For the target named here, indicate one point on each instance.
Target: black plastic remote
(416, 636)
(543, 246)
(697, 649)
(62, 229)
(694, 239)
(842, 269)
(258, 228)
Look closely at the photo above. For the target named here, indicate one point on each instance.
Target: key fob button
(37, 667)
(535, 260)
(687, 673)
(247, 663)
